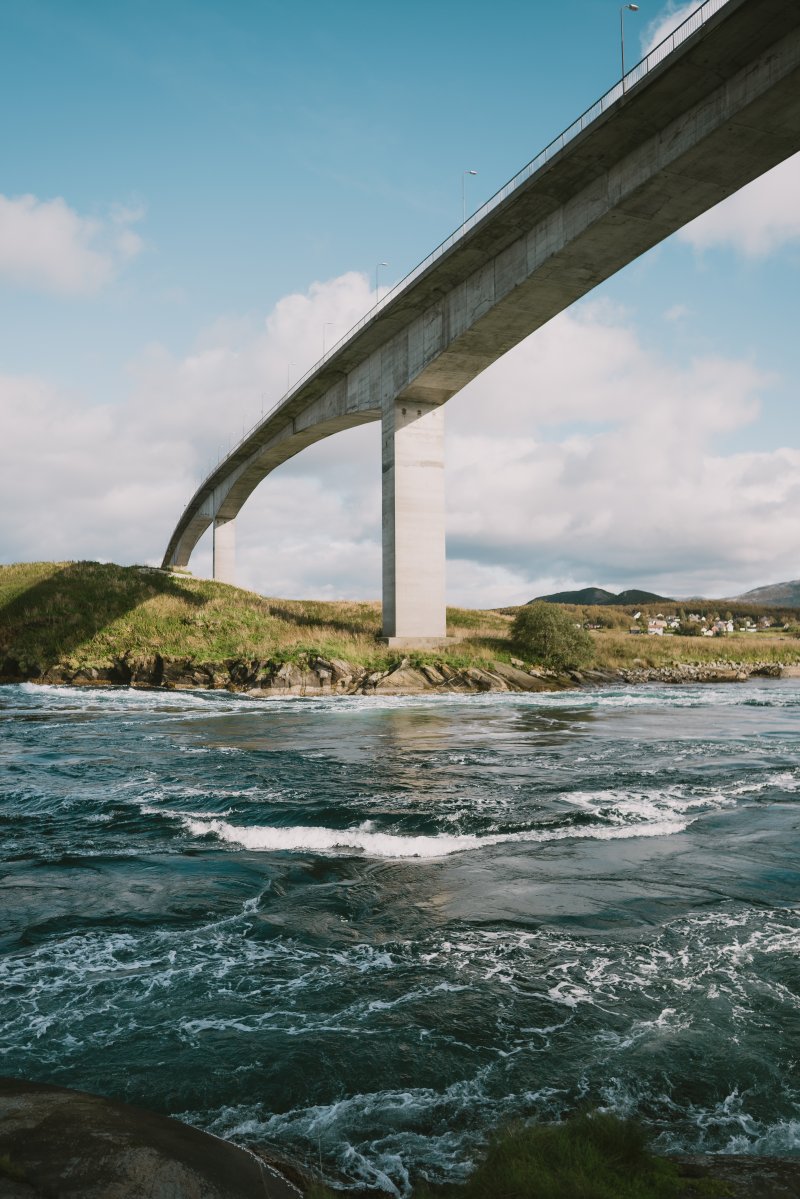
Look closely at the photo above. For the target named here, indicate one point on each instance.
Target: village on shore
(694, 624)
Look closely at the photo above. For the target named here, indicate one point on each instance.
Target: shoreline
(87, 1145)
(316, 676)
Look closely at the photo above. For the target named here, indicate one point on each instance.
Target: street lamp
(622, 11)
(377, 270)
(289, 374)
(327, 325)
(464, 195)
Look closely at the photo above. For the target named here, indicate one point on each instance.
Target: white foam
(321, 840)
(625, 807)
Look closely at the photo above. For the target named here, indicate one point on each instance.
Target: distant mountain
(776, 595)
(597, 595)
(588, 595)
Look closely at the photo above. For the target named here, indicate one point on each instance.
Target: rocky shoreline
(58, 1142)
(314, 675)
(708, 672)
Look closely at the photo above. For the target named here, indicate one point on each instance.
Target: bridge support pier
(413, 523)
(224, 551)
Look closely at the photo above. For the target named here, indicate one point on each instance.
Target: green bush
(549, 637)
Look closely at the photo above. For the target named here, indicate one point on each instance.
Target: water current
(363, 931)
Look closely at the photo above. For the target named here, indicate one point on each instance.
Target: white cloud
(664, 24)
(581, 457)
(46, 246)
(110, 481)
(584, 457)
(759, 218)
(755, 221)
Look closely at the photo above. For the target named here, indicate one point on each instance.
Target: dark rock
(122, 671)
(93, 676)
(57, 674)
(146, 672)
(65, 1144)
(742, 1176)
(180, 674)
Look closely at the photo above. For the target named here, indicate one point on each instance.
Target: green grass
(87, 614)
(595, 1156)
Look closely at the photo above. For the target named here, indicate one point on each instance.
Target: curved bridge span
(710, 109)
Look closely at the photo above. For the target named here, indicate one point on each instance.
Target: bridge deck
(707, 118)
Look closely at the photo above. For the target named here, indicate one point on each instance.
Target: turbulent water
(362, 931)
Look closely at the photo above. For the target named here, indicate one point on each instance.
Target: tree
(547, 636)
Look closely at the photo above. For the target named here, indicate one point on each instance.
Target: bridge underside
(709, 119)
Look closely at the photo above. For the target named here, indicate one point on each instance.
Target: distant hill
(597, 595)
(776, 595)
(633, 596)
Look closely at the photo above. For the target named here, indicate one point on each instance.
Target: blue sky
(209, 188)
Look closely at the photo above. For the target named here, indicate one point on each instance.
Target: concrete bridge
(710, 109)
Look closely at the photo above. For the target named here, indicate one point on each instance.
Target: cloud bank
(758, 220)
(581, 457)
(47, 246)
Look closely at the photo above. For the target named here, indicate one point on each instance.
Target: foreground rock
(61, 1144)
(705, 672)
(742, 1176)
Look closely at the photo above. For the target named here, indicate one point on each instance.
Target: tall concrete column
(224, 554)
(413, 523)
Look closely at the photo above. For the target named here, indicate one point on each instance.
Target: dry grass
(88, 614)
(616, 650)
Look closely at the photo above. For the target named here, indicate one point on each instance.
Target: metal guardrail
(690, 25)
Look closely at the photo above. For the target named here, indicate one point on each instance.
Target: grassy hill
(90, 613)
(776, 595)
(86, 616)
(597, 596)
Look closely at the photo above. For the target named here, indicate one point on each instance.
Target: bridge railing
(690, 25)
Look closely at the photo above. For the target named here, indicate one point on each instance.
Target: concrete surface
(413, 522)
(224, 550)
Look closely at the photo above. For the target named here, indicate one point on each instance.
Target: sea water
(364, 931)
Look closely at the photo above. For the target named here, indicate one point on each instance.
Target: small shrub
(549, 637)
(597, 1156)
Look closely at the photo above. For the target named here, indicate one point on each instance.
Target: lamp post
(289, 374)
(327, 325)
(622, 11)
(377, 271)
(464, 195)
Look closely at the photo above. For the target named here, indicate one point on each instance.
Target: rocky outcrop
(739, 1176)
(705, 672)
(308, 675)
(66, 1144)
(315, 675)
